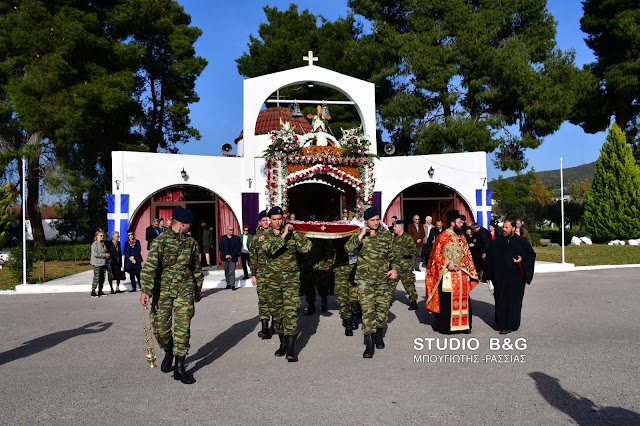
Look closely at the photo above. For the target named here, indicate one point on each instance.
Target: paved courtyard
(71, 360)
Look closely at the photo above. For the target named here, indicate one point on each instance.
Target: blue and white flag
(483, 207)
(118, 216)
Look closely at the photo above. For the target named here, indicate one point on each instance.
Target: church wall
(464, 173)
(142, 174)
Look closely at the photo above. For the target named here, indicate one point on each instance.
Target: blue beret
(399, 222)
(262, 214)
(371, 212)
(274, 211)
(182, 215)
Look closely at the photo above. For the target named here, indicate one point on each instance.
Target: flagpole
(24, 223)
(562, 208)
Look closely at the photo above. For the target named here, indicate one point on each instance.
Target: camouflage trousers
(312, 279)
(408, 282)
(173, 302)
(98, 278)
(263, 306)
(374, 301)
(283, 299)
(346, 290)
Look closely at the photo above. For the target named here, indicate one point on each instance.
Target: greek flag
(118, 216)
(483, 207)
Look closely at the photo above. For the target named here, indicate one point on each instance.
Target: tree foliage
(611, 86)
(7, 197)
(471, 76)
(79, 80)
(612, 209)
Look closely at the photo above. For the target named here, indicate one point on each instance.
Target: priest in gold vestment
(451, 275)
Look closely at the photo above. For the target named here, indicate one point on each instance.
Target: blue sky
(226, 28)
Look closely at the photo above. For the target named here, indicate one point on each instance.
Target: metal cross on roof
(310, 57)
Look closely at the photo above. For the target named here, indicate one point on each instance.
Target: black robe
(509, 278)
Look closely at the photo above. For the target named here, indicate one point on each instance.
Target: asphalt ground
(67, 359)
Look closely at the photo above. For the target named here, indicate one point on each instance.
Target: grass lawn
(54, 269)
(586, 255)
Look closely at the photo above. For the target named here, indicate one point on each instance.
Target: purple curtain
(250, 210)
(377, 201)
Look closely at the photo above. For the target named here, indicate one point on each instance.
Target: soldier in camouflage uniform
(346, 288)
(405, 247)
(258, 259)
(375, 254)
(316, 265)
(172, 275)
(282, 277)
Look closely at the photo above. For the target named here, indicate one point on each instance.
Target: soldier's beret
(274, 211)
(452, 215)
(399, 222)
(371, 212)
(182, 215)
(262, 214)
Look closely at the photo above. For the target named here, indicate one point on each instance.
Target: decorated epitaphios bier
(317, 156)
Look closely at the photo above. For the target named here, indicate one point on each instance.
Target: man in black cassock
(509, 265)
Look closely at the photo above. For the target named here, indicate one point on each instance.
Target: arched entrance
(428, 199)
(206, 205)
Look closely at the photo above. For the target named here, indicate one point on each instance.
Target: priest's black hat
(275, 210)
(371, 212)
(452, 215)
(182, 215)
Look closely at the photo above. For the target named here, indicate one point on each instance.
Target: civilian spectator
(161, 226)
(99, 257)
(244, 250)
(229, 250)
(206, 242)
(522, 231)
(133, 259)
(416, 231)
(152, 232)
(114, 265)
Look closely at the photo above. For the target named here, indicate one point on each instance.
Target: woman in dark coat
(133, 259)
(115, 262)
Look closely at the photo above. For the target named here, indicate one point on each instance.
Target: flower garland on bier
(345, 164)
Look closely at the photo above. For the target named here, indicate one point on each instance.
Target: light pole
(562, 208)
(24, 222)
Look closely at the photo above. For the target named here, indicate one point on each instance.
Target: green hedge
(66, 252)
(535, 239)
(556, 237)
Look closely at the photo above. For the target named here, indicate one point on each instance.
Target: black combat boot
(355, 318)
(370, 348)
(348, 329)
(323, 304)
(179, 372)
(379, 341)
(290, 342)
(413, 305)
(311, 310)
(282, 350)
(167, 362)
(264, 333)
(272, 329)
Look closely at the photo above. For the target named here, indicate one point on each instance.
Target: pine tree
(7, 196)
(612, 210)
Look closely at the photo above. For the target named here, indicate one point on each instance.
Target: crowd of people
(362, 271)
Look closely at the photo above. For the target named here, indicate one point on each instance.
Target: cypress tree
(612, 210)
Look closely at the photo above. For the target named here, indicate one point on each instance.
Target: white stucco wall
(463, 172)
(142, 174)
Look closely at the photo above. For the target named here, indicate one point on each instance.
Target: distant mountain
(571, 174)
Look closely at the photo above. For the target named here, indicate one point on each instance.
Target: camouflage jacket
(175, 258)
(375, 255)
(282, 262)
(257, 255)
(321, 256)
(404, 247)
